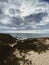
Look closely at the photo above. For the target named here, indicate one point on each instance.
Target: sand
(34, 57)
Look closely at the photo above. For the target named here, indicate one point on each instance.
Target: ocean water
(28, 35)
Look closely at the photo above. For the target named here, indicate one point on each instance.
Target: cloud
(45, 0)
(26, 31)
(3, 0)
(35, 17)
(24, 15)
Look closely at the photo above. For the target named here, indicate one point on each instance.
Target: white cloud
(4, 21)
(21, 9)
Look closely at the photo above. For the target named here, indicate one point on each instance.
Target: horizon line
(26, 31)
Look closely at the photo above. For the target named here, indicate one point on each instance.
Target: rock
(6, 38)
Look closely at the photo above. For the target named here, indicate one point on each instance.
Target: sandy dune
(33, 51)
(34, 58)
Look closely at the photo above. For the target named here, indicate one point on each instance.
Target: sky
(24, 16)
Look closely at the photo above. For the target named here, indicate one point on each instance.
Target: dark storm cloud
(36, 17)
(45, 0)
(16, 20)
(1, 12)
(3, 0)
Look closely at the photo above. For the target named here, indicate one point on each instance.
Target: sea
(28, 35)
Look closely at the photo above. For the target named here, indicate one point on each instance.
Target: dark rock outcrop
(6, 38)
